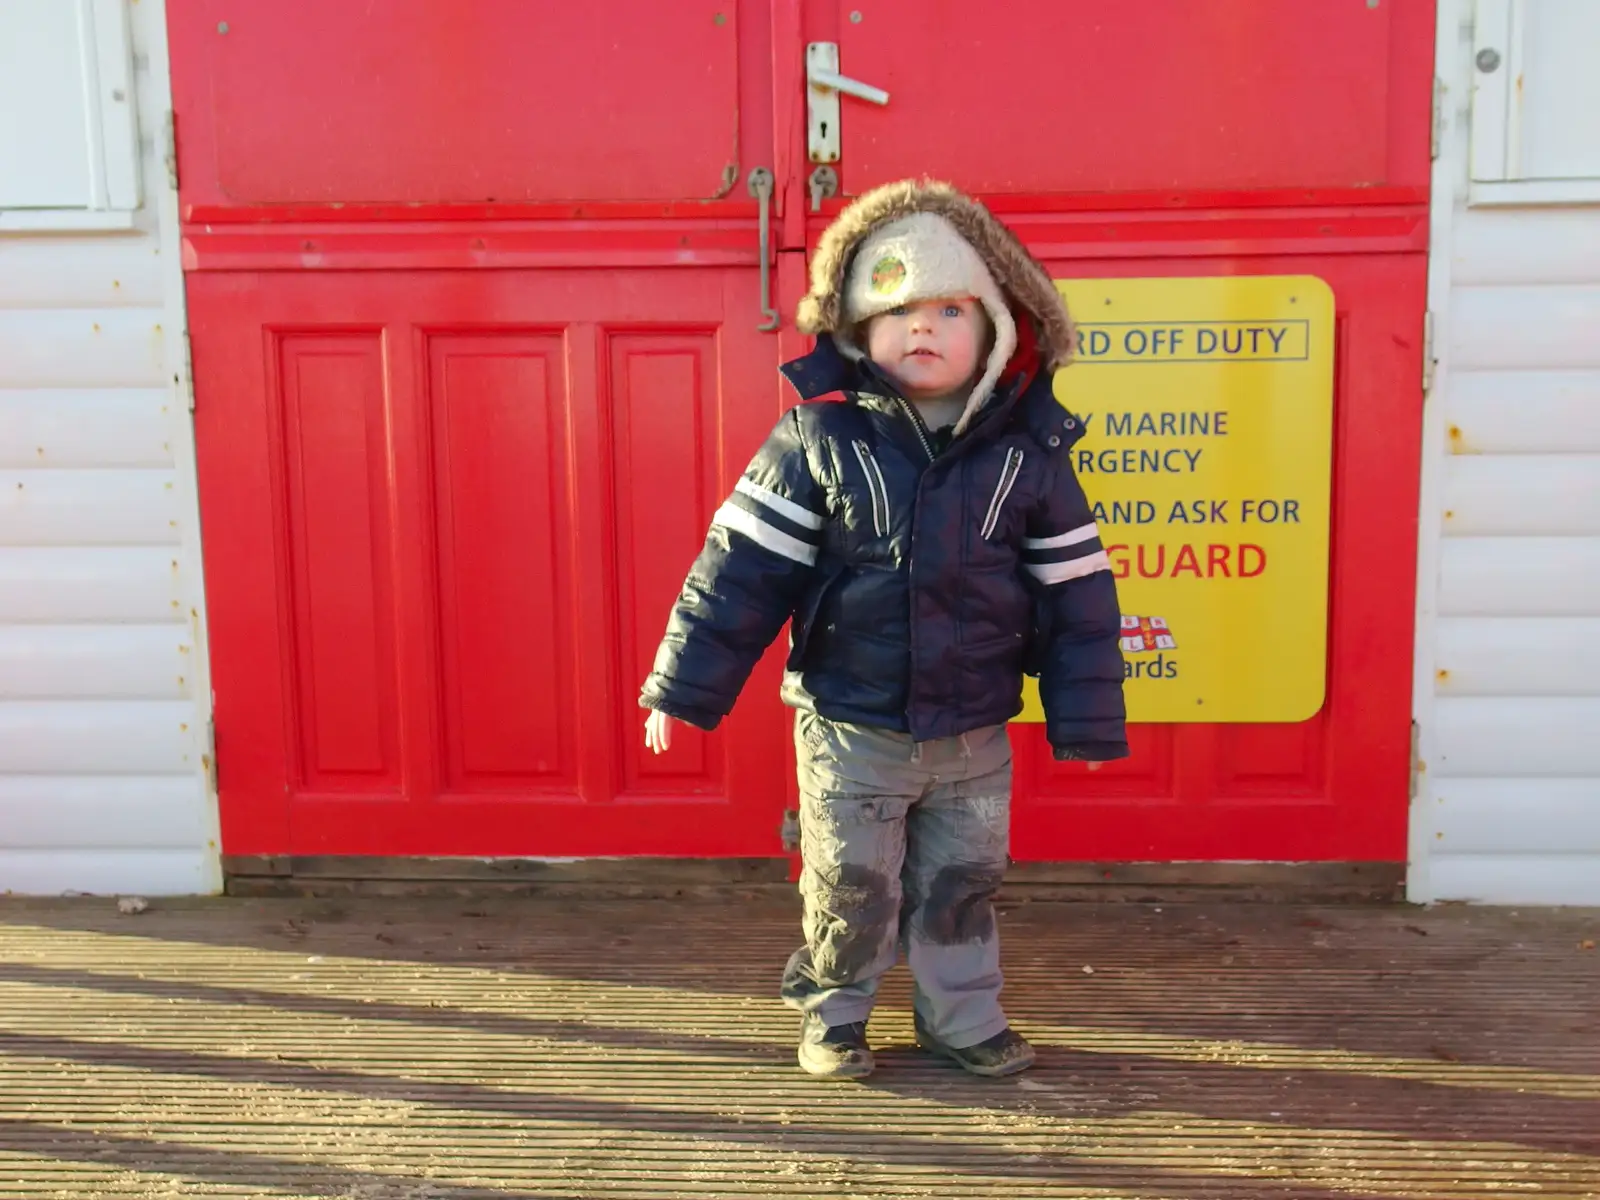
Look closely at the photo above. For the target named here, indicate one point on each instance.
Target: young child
(929, 543)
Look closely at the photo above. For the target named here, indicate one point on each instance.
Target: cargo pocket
(804, 620)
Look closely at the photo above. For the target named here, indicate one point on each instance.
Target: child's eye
(952, 310)
(899, 310)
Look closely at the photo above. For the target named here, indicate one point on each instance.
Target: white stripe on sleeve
(742, 520)
(779, 504)
(1071, 538)
(1073, 568)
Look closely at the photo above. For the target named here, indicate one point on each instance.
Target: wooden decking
(400, 1048)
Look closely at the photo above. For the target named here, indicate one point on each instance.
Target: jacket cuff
(698, 717)
(1091, 752)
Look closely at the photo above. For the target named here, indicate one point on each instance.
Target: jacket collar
(826, 369)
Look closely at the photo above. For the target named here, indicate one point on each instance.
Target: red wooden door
(1170, 139)
(474, 301)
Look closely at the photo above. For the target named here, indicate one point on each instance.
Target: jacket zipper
(876, 487)
(916, 424)
(911, 558)
(1002, 490)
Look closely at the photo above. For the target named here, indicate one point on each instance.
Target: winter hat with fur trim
(1021, 283)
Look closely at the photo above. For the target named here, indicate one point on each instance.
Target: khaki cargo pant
(904, 845)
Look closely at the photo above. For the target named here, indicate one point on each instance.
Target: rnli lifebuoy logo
(1148, 635)
(888, 273)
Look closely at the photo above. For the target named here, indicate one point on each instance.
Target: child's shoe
(834, 1051)
(1006, 1053)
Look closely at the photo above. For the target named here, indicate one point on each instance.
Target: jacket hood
(1018, 273)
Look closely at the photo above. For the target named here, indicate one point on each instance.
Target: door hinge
(188, 370)
(169, 148)
(1436, 130)
(1428, 360)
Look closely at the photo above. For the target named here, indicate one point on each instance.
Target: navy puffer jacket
(922, 583)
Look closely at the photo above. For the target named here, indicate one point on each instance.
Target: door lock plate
(822, 104)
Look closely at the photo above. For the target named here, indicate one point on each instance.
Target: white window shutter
(1535, 93)
(68, 126)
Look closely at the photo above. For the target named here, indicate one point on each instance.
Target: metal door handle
(760, 185)
(820, 76)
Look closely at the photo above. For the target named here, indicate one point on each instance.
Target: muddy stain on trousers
(904, 844)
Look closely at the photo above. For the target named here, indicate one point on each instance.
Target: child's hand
(658, 732)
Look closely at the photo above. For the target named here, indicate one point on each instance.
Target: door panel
(475, 507)
(1283, 761)
(336, 515)
(500, 496)
(412, 101)
(662, 403)
(1074, 96)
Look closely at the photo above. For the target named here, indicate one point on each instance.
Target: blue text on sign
(1194, 342)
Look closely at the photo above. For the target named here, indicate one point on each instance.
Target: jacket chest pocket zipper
(1008, 480)
(876, 488)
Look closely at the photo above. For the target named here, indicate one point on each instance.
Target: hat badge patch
(888, 273)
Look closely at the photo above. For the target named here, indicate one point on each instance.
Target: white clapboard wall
(104, 694)
(1507, 804)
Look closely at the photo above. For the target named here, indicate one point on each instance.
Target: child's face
(930, 348)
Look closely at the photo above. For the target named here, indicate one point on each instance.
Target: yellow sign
(1208, 410)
